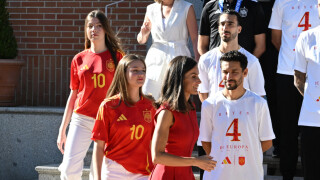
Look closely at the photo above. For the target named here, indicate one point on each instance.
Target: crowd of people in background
(255, 70)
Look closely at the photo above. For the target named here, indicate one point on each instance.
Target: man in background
(288, 20)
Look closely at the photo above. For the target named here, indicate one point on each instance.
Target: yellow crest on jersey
(110, 65)
(147, 116)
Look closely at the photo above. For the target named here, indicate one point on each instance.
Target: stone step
(51, 172)
(274, 164)
(271, 165)
(280, 178)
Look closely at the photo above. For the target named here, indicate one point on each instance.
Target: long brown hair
(172, 91)
(119, 83)
(111, 39)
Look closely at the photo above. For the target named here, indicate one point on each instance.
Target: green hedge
(8, 43)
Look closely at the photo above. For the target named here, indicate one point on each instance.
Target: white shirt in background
(307, 60)
(292, 17)
(210, 73)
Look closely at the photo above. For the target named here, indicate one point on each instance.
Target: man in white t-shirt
(235, 126)
(209, 63)
(288, 20)
(307, 64)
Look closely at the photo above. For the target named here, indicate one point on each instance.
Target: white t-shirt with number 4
(210, 73)
(292, 17)
(235, 129)
(307, 60)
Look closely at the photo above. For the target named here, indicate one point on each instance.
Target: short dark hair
(231, 12)
(172, 91)
(235, 56)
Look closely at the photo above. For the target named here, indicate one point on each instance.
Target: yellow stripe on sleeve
(100, 113)
(147, 167)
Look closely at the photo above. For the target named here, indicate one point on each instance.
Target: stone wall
(28, 139)
(50, 32)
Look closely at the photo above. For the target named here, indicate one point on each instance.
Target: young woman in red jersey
(124, 126)
(177, 130)
(92, 71)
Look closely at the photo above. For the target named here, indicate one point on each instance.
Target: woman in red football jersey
(124, 126)
(177, 130)
(92, 71)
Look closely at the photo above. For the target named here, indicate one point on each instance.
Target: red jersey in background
(91, 75)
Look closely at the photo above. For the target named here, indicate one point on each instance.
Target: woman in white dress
(169, 22)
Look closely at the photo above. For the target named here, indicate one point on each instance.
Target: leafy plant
(8, 43)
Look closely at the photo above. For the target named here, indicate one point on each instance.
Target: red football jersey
(91, 74)
(127, 131)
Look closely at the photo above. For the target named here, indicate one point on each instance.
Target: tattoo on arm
(299, 81)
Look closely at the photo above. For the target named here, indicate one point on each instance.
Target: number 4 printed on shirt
(221, 84)
(235, 133)
(306, 24)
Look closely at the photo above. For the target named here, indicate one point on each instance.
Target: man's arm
(266, 145)
(260, 41)
(204, 31)
(203, 89)
(276, 38)
(207, 147)
(193, 29)
(203, 44)
(145, 31)
(259, 29)
(203, 96)
(255, 78)
(299, 81)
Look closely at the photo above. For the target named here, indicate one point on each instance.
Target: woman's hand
(61, 141)
(205, 162)
(146, 28)
(144, 31)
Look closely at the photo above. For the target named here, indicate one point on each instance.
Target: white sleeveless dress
(167, 43)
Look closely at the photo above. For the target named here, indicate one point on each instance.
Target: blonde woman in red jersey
(92, 71)
(124, 126)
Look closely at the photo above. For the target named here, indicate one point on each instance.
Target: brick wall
(50, 32)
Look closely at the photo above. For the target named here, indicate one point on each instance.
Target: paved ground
(280, 178)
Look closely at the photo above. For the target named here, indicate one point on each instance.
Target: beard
(228, 39)
(235, 84)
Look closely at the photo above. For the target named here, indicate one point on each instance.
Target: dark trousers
(269, 62)
(310, 152)
(201, 152)
(288, 105)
